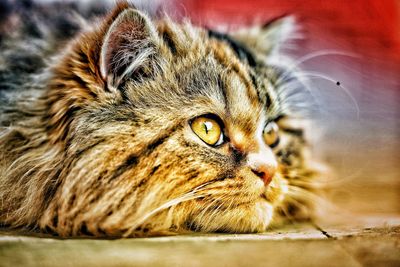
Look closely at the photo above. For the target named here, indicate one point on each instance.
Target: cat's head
(168, 127)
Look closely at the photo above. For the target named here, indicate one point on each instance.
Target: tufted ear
(270, 38)
(128, 48)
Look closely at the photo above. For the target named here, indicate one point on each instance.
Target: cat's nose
(264, 165)
(265, 172)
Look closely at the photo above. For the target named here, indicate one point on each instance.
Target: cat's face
(167, 128)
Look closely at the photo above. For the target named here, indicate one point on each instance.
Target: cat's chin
(246, 218)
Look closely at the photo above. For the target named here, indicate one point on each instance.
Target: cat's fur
(95, 139)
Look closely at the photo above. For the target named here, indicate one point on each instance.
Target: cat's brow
(241, 51)
(222, 89)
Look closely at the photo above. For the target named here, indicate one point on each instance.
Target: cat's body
(98, 128)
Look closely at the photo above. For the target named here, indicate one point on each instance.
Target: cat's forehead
(240, 93)
(202, 74)
(213, 70)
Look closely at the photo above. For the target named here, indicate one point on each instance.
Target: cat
(118, 125)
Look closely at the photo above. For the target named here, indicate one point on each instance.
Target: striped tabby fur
(94, 132)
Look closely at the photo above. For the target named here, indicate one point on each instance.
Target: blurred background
(357, 122)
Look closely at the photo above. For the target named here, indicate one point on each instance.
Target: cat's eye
(271, 134)
(208, 130)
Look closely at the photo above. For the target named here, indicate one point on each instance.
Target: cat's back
(31, 33)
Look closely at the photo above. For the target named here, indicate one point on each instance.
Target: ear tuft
(271, 37)
(127, 46)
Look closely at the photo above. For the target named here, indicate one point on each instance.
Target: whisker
(312, 55)
(298, 193)
(200, 216)
(290, 89)
(170, 203)
(296, 180)
(301, 193)
(314, 74)
(320, 53)
(212, 215)
(221, 198)
(164, 206)
(304, 208)
(286, 90)
(328, 206)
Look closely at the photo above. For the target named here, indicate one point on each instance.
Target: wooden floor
(374, 243)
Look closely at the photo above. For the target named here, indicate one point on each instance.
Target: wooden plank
(289, 246)
(374, 247)
(187, 252)
(376, 243)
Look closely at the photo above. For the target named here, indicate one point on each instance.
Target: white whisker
(325, 183)
(170, 203)
(345, 90)
(320, 53)
(312, 55)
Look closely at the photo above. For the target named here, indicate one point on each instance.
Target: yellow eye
(208, 130)
(271, 134)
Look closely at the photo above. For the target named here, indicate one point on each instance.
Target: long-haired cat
(124, 126)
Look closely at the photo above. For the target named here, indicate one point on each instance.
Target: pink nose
(265, 172)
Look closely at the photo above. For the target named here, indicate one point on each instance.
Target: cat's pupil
(207, 126)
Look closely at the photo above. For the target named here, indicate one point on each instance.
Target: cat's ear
(127, 48)
(269, 38)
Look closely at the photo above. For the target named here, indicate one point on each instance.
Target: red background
(370, 26)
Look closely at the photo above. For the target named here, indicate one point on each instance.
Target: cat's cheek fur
(101, 195)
